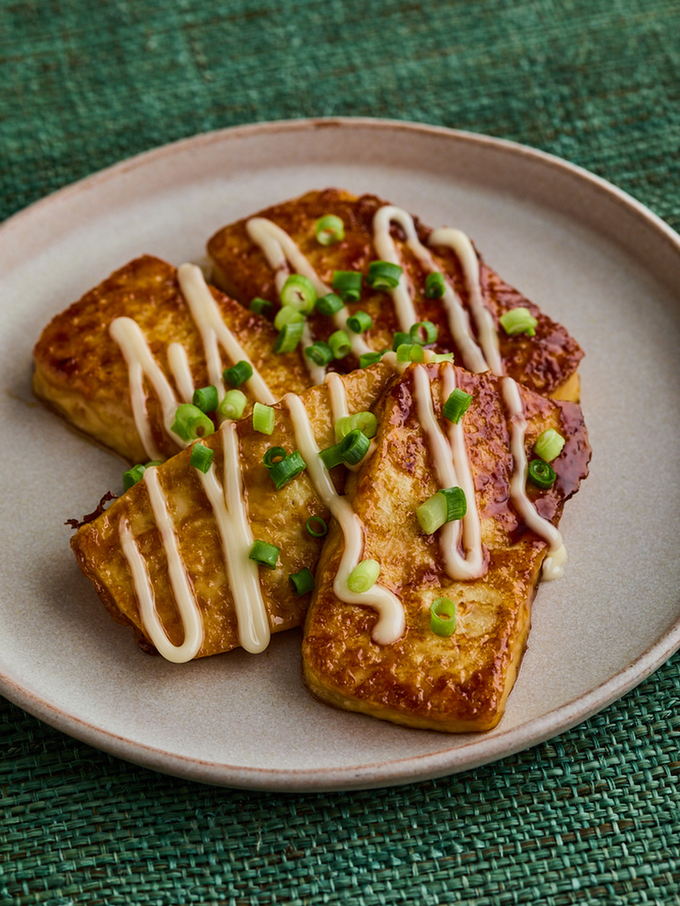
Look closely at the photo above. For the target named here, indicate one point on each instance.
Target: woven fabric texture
(591, 817)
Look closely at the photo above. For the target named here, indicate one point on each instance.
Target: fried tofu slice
(83, 374)
(253, 256)
(419, 678)
(169, 543)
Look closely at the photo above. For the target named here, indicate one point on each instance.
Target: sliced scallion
(348, 285)
(435, 285)
(302, 582)
(400, 338)
(288, 338)
(287, 315)
(443, 617)
(340, 344)
(288, 468)
(133, 475)
(273, 456)
(262, 307)
(363, 577)
(319, 352)
(238, 374)
(263, 418)
(446, 505)
(456, 405)
(331, 457)
(423, 332)
(541, 474)
(316, 527)
(343, 426)
(233, 404)
(441, 357)
(205, 398)
(410, 352)
(298, 292)
(329, 304)
(549, 445)
(353, 447)
(366, 422)
(329, 229)
(201, 457)
(359, 322)
(190, 423)
(518, 320)
(265, 554)
(366, 359)
(383, 275)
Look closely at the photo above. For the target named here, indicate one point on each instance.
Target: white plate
(588, 254)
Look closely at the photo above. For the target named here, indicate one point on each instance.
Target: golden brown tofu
(420, 678)
(205, 543)
(81, 371)
(466, 317)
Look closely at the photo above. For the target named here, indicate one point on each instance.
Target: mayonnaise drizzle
(215, 333)
(229, 508)
(452, 467)
(282, 253)
(554, 562)
(179, 580)
(459, 322)
(181, 371)
(132, 342)
(391, 618)
(484, 322)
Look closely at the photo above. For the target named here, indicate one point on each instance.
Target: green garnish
(366, 422)
(265, 554)
(298, 292)
(518, 320)
(133, 475)
(447, 505)
(443, 617)
(233, 404)
(262, 307)
(359, 322)
(456, 405)
(190, 423)
(329, 229)
(363, 576)
(238, 374)
(289, 336)
(311, 526)
(273, 456)
(288, 468)
(423, 332)
(302, 582)
(348, 285)
(205, 398)
(400, 338)
(329, 305)
(340, 344)
(263, 418)
(366, 359)
(201, 457)
(410, 352)
(287, 315)
(549, 445)
(541, 474)
(435, 285)
(383, 275)
(319, 352)
(353, 447)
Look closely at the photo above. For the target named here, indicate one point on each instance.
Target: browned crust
(544, 362)
(422, 680)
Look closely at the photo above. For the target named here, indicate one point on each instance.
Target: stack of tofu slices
(347, 422)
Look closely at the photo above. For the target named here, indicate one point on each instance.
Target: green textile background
(591, 817)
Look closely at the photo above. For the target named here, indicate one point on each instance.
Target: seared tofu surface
(421, 679)
(546, 362)
(82, 374)
(277, 517)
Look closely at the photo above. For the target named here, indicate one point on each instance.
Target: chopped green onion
(191, 423)
(400, 338)
(366, 359)
(348, 285)
(441, 357)
(316, 526)
(288, 468)
(288, 338)
(363, 576)
(298, 292)
(329, 305)
(447, 505)
(319, 352)
(287, 315)
(273, 456)
(343, 426)
(262, 307)
(457, 405)
(518, 320)
(359, 322)
(205, 398)
(201, 457)
(263, 418)
(435, 285)
(329, 229)
(265, 554)
(133, 475)
(353, 447)
(340, 344)
(443, 617)
(549, 445)
(423, 332)
(331, 457)
(366, 422)
(302, 582)
(233, 404)
(541, 474)
(238, 374)
(410, 352)
(383, 275)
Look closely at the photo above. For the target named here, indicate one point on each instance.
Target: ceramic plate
(586, 253)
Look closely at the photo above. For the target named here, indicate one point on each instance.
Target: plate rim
(401, 770)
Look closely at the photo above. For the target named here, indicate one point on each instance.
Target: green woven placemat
(593, 816)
